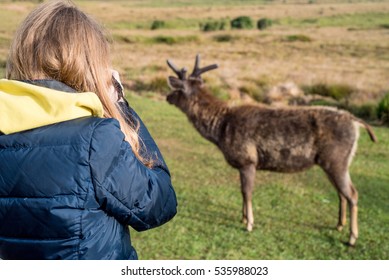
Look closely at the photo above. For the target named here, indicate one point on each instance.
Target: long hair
(58, 41)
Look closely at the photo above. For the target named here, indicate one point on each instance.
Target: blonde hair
(60, 42)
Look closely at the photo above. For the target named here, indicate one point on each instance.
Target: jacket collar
(52, 84)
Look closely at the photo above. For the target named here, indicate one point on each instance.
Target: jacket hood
(25, 106)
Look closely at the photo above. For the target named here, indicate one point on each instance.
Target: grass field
(309, 43)
(295, 214)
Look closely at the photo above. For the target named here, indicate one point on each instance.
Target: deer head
(183, 87)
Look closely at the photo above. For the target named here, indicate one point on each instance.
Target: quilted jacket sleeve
(149, 148)
(126, 189)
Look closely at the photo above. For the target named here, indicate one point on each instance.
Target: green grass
(335, 91)
(174, 23)
(159, 39)
(172, 40)
(295, 214)
(298, 38)
(361, 20)
(352, 21)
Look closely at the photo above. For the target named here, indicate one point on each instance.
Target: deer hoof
(249, 227)
(352, 240)
(339, 227)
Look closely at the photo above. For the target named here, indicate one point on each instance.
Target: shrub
(224, 38)
(383, 109)
(170, 40)
(264, 23)
(384, 26)
(255, 92)
(320, 102)
(125, 39)
(157, 24)
(256, 88)
(156, 84)
(298, 38)
(219, 91)
(310, 21)
(336, 91)
(365, 111)
(213, 26)
(242, 22)
(159, 84)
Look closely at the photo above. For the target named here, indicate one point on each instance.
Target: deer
(290, 139)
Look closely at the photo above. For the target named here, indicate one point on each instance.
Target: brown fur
(292, 139)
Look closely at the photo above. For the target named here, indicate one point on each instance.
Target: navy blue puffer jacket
(69, 190)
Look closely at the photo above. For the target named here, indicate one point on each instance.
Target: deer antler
(180, 73)
(198, 71)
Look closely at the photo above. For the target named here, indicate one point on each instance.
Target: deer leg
(347, 192)
(244, 211)
(247, 177)
(342, 212)
(353, 204)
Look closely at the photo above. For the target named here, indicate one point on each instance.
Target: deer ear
(175, 83)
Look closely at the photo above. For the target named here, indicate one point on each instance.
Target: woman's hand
(116, 89)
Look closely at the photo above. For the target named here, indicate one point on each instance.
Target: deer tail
(368, 129)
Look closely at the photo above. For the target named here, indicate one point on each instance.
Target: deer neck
(206, 112)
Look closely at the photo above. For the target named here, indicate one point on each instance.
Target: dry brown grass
(335, 55)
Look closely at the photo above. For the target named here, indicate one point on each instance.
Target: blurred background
(281, 52)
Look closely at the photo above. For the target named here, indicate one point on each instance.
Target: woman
(77, 165)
